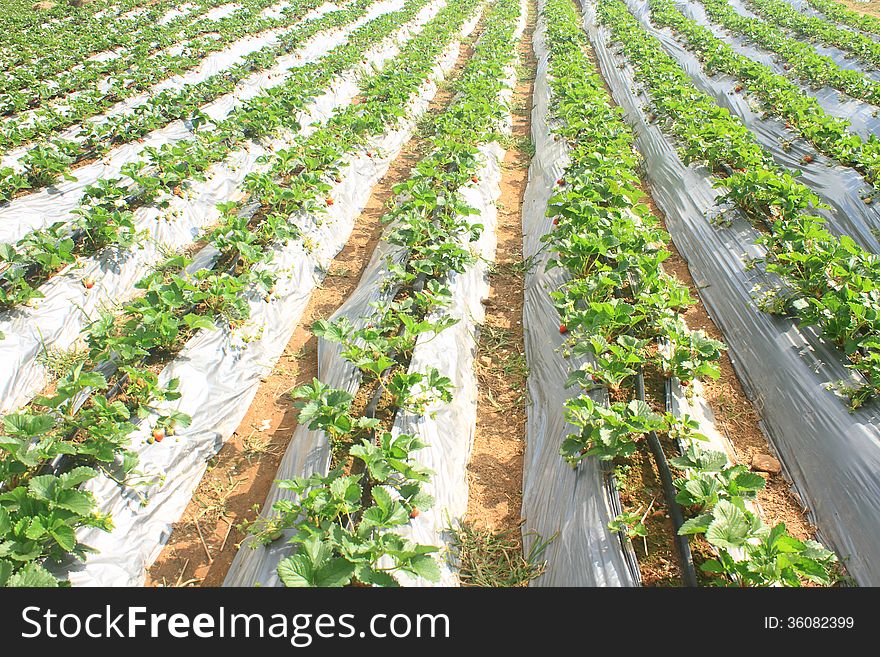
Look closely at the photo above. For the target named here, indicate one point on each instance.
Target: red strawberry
(414, 513)
(808, 159)
(88, 283)
(158, 435)
(369, 153)
(556, 221)
(560, 182)
(330, 201)
(563, 328)
(474, 179)
(684, 383)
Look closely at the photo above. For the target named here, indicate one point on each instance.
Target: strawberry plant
(621, 312)
(342, 526)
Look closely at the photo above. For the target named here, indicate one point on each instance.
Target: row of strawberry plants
(88, 103)
(778, 95)
(172, 51)
(45, 162)
(105, 215)
(842, 14)
(153, 328)
(41, 43)
(41, 79)
(801, 59)
(817, 29)
(621, 311)
(830, 282)
(344, 524)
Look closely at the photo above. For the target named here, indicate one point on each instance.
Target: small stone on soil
(766, 463)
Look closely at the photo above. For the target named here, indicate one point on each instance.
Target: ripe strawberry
(560, 182)
(338, 179)
(474, 179)
(88, 283)
(330, 201)
(738, 88)
(158, 435)
(369, 153)
(414, 513)
(684, 383)
(807, 159)
(596, 378)
(556, 221)
(563, 328)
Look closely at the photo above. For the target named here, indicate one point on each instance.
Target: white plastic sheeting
(57, 320)
(838, 186)
(448, 429)
(212, 64)
(861, 115)
(571, 504)
(449, 434)
(220, 373)
(52, 204)
(832, 456)
(845, 58)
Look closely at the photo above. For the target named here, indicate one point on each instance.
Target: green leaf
(696, 525)
(64, 535)
(196, 322)
(33, 576)
(426, 566)
(335, 573)
(730, 527)
(296, 571)
(42, 487)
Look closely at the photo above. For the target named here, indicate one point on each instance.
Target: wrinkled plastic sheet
(805, 8)
(211, 65)
(861, 115)
(449, 433)
(57, 320)
(832, 456)
(838, 186)
(572, 504)
(844, 58)
(220, 372)
(44, 207)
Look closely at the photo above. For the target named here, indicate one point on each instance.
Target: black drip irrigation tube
(688, 571)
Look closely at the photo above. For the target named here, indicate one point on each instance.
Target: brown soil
(735, 417)
(496, 467)
(871, 8)
(203, 543)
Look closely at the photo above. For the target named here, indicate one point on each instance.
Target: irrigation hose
(688, 571)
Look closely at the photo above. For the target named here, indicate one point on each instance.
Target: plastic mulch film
(844, 58)
(57, 320)
(449, 434)
(220, 372)
(805, 8)
(832, 456)
(572, 504)
(863, 117)
(211, 65)
(50, 204)
(838, 186)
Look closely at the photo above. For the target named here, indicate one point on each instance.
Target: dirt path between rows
(205, 540)
(495, 471)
